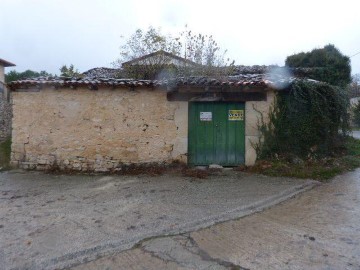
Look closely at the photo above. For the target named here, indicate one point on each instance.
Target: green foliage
(202, 52)
(14, 75)
(356, 115)
(353, 147)
(348, 158)
(5, 151)
(328, 63)
(69, 71)
(309, 120)
(151, 71)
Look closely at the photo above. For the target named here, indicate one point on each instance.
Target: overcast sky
(45, 34)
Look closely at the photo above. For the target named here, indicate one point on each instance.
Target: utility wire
(355, 54)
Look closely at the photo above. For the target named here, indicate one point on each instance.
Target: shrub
(310, 119)
(327, 64)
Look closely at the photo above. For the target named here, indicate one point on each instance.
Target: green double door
(216, 133)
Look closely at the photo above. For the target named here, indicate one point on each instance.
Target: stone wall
(5, 113)
(2, 74)
(104, 129)
(96, 130)
(253, 112)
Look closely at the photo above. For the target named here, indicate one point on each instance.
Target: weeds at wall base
(148, 169)
(319, 169)
(5, 151)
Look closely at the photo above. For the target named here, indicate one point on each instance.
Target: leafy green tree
(70, 71)
(328, 65)
(202, 53)
(15, 75)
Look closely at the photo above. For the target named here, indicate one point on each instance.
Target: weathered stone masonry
(5, 103)
(5, 113)
(96, 130)
(101, 130)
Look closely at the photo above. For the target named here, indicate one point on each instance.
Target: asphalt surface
(57, 221)
(318, 229)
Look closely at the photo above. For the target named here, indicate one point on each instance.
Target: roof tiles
(243, 76)
(256, 80)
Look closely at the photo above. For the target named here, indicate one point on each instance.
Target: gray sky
(45, 34)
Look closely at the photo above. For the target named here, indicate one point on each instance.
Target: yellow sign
(236, 115)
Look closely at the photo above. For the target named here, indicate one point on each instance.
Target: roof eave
(5, 63)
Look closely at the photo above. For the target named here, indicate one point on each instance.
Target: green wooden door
(216, 133)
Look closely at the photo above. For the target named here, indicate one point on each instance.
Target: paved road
(318, 229)
(53, 221)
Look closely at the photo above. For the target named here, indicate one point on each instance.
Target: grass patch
(5, 151)
(320, 169)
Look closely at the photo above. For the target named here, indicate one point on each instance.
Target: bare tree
(146, 54)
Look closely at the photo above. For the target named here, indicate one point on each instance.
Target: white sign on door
(205, 116)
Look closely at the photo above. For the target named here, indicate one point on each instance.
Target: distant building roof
(103, 72)
(241, 76)
(168, 58)
(6, 63)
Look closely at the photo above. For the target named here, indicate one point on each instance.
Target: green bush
(310, 119)
(326, 64)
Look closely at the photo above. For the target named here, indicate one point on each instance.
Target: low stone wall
(96, 130)
(5, 113)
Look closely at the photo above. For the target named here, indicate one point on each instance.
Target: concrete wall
(101, 130)
(96, 130)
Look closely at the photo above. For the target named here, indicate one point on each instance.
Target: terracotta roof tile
(103, 72)
(263, 80)
(266, 76)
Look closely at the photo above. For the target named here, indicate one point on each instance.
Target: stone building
(5, 104)
(99, 124)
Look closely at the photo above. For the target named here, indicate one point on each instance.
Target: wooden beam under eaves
(220, 89)
(220, 96)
